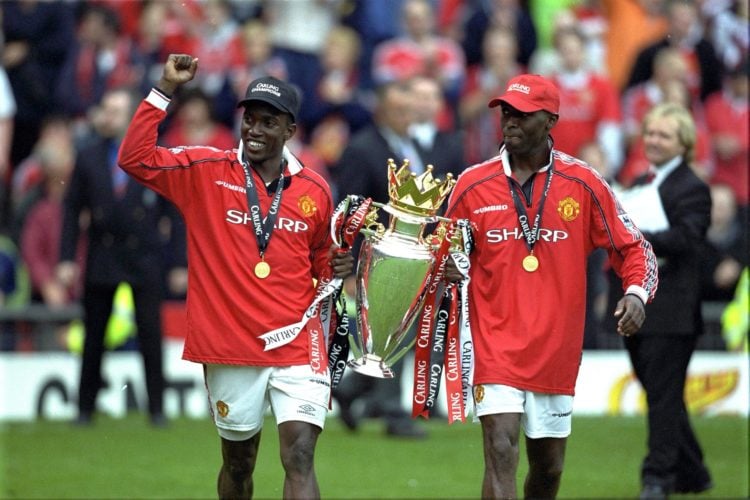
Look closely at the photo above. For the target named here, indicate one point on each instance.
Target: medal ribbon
(530, 235)
(263, 229)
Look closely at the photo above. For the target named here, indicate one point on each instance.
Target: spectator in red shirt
(727, 120)
(42, 228)
(484, 80)
(259, 58)
(589, 102)
(421, 51)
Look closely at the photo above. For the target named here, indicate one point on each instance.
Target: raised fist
(179, 69)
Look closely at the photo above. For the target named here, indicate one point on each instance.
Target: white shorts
(239, 397)
(544, 415)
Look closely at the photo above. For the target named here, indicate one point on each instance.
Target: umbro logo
(491, 208)
(306, 409)
(562, 415)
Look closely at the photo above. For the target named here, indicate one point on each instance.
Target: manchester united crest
(478, 393)
(307, 205)
(222, 408)
(568, 209)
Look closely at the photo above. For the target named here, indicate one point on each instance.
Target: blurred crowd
(612, 60)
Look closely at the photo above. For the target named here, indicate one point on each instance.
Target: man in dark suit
(362, 170)
(672, 208)
(437, 144)
(124, 245)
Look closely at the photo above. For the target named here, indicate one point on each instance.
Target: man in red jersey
(537, 214)
(258, 236)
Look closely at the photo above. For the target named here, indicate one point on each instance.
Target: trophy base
(371, 366)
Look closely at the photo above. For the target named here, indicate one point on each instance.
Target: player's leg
(97, 305)
(147, 299)
(238, 463)
(299, 400)
(238, 400)
(547, 423)
(546, 459)
(499, 409)
(500, 441)
(297, 442)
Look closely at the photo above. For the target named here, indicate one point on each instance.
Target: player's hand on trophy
(452, 274)
(179, 69)
(342, 262)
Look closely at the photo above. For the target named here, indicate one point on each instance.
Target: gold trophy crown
(417, 194)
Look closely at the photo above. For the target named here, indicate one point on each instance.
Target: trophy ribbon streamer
(347, 220)
(437, 357)
(453, 368)
(327, 289)
(425, 332)
(467, 346)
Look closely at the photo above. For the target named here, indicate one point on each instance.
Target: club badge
(307, 205)
(568, 209)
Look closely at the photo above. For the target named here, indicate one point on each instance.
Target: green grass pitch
(125, 458)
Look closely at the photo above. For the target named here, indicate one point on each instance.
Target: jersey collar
(293, 165)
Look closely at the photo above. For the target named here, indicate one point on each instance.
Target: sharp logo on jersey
(548, 235)
(283, 223)
(490, 208)
(307, 205)
(568, 209)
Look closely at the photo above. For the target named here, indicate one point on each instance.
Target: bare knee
(546, 461)
(500, 437)
(298, 450)
(501, 450)
(238, 469)
(238, 463)
(546, 456)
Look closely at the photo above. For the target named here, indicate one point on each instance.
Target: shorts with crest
(240, 396)
(544, 415)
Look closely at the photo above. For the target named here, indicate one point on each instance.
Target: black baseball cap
(281, 95)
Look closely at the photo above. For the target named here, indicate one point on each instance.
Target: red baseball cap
(529, 93)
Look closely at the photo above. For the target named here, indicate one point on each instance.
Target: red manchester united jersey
(528, 326)
(228, 306)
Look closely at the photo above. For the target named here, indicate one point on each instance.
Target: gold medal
(530, 263)
(262, 269)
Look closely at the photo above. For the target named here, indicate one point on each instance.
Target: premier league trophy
(396, 266)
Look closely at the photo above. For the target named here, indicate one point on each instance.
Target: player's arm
(139, 155)
(631, 257)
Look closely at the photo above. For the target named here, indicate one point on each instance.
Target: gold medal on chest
(530, 263)
(262, 269)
